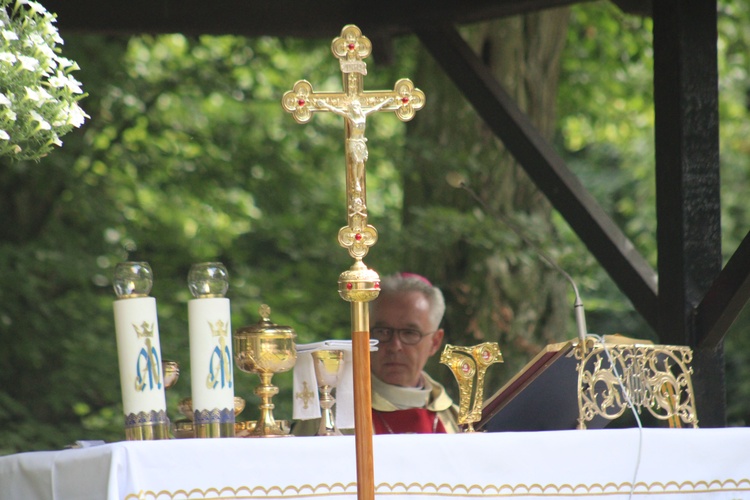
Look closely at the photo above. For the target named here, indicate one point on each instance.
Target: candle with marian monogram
(139, 353)
(211, 361)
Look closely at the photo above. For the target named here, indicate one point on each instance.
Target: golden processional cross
(358, 285)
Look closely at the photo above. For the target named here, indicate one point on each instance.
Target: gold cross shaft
(354, 104)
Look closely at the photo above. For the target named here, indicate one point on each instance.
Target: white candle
(139, 355)
(211, 361)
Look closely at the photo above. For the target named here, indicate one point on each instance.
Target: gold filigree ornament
(657, 378)
(469, 365)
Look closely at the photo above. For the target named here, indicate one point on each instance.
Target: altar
(613, 464)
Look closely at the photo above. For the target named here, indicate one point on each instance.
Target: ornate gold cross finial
(354, 104)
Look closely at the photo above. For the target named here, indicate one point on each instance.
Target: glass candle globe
(208, 279)
(132, 279)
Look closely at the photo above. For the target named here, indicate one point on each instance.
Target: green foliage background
(188, 157)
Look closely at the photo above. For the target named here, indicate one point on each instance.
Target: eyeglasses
(407, 336)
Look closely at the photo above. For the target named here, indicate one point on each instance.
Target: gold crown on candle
(145, 330)
(218, 329)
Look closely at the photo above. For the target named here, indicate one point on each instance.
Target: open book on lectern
(565, 388)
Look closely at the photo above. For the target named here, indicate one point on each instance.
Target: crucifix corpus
(358, 285)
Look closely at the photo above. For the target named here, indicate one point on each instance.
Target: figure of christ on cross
(356, 142)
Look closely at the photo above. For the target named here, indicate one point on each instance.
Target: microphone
(456, 180)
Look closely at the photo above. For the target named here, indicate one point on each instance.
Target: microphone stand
(457, 182)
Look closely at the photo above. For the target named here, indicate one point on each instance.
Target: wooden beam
(726, 298)
(600, 234)
(687, 187)
(687, 162)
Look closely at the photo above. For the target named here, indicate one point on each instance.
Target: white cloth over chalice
(305, 385)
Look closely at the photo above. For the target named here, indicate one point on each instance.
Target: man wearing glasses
(405, 319)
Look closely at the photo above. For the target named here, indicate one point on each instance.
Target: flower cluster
(38, 96)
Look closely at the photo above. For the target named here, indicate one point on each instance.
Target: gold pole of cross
(358, 285)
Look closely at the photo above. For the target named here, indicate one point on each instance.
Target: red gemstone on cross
(349, 286)
(358, 236)
(301, 102)
(351, 46)
(486, 355)
(465, 368)
(405, 100)
(376, 286)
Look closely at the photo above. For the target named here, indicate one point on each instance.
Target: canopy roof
(297, 18)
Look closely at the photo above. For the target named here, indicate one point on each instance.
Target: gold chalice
(329, 367)
(265, 349)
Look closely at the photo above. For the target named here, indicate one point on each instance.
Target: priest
(405, 319)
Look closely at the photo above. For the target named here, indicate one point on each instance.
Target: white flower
(39, 96)
(44, 97)
(9, 35)
(10, 115)
(28, 63)
(62, 80)
(74, 85)
(4, 135)
(35, 39)
(7, 57)
(4, 100)
(77, 115)
(64, 62)
(40, 46)
(43, 124)
(36, 7)
(32, 94)
(50, 29)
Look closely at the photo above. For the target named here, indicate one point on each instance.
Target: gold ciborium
(265, 349)
(329, 367)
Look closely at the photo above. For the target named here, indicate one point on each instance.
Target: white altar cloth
(613, 464)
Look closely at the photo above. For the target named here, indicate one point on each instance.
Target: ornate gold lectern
(566, 387)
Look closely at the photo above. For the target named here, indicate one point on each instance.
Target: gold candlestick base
(147, 426)
(205, 424)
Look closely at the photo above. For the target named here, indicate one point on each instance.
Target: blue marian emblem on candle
(147, 365)
(220, 363)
